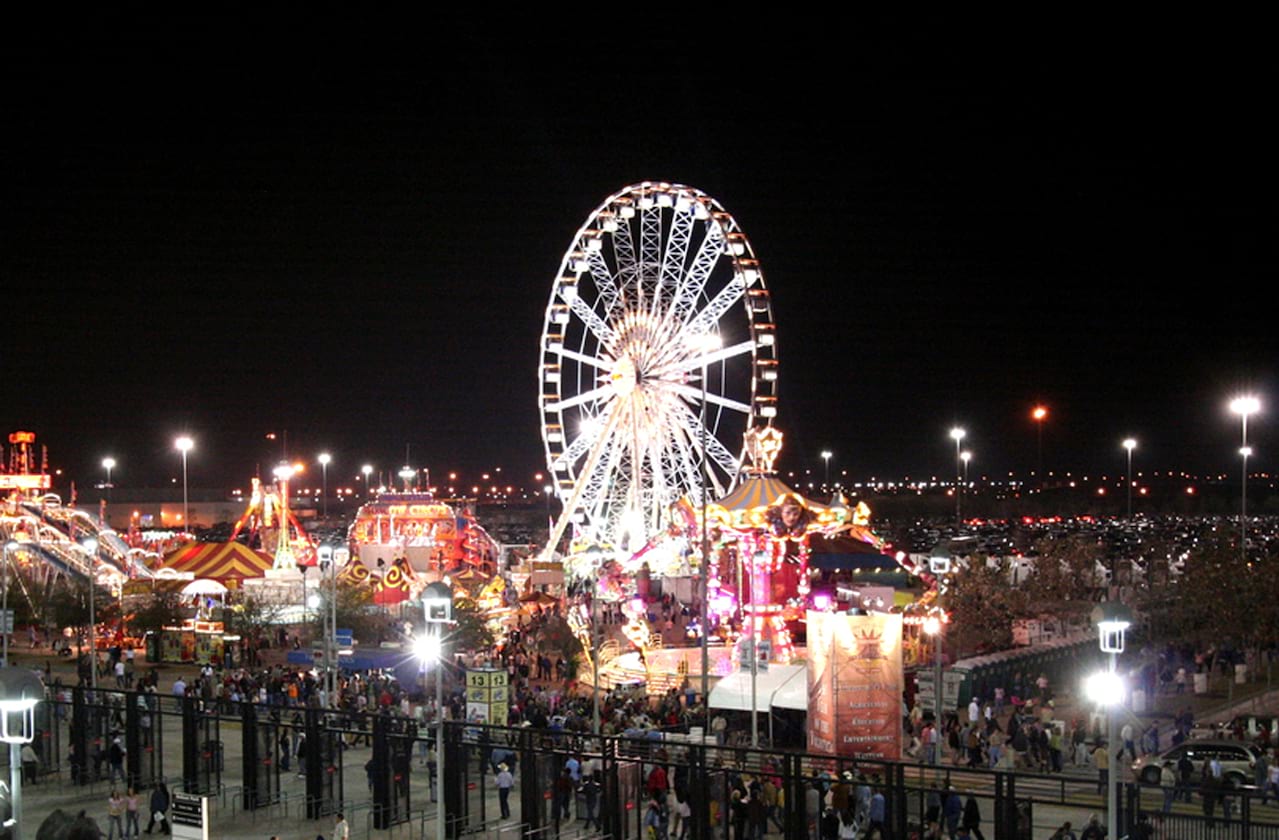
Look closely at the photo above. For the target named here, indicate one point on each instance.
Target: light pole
(933, 628)
(437, 601)
(1039, 413)
(7, 628)
(1243, 406)
(20, 691)
(939, 561)
(406, 474)
(965, 456)
(108, 464)
(90, 547)
(184, 445)
(1130, 444)
(366, 470)
(1107, 689)
(957, 434)
(704, 344)
(593, 555)
(324, 459)
(826, 456)
(756, 556)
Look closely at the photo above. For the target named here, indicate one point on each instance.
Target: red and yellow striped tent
(228, 563)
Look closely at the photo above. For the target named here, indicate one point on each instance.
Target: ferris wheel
(658, 352)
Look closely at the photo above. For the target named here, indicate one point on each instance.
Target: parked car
(1237, 759)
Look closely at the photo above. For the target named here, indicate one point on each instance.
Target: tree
(1066, 582)
(68, 606)
(1220, 599)
(982, 605)
(355, 611)
(163, 609)
(470, 627)
(250, 615)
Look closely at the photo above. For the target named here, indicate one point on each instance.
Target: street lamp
(1243, 406)
(20, 691)
(703, 345)
(366, 470)
(6, 626)
(1130, 444)
(939, 564)
(1106, 688)
(965, 456)
(184, 445)
(90, 547)
(957, 434)
(406, 473)
(437, 602)
(108, 464)
(324, 459)
(826, 456)
(1039, 413)
(933, 628)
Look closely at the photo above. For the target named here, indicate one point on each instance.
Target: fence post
(190, 747)
(250, 760)
(453, 798)
(81, 762)
(380, 773)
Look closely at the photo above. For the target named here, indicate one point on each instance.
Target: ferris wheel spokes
(694, 280)
(693, 363)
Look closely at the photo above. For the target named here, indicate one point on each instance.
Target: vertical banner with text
(855, 684)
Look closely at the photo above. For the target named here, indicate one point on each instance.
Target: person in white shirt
(974, 711)
(341, 829)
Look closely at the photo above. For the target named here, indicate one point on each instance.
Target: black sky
(348, 229)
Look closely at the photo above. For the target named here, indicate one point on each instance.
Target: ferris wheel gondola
(658, 353)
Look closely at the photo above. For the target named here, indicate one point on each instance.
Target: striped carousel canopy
(228, 563)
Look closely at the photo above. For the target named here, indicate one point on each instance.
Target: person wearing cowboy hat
(505, 781)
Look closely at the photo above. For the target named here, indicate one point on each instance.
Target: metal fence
(270, 764)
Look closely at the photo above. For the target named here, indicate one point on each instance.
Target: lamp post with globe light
(939, 564)
(1106, 688)
(703, 345)
(437, 603)
(90, 547)
(1243, 406)
(20, 691)
(366, 471)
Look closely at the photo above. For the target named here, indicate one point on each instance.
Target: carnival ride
(658, 351)
(45, 539)
(435, 537)
(272, 527)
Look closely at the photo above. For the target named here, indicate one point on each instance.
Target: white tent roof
(783, 686)
(204, 587)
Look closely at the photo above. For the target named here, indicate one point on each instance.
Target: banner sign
(855, 685)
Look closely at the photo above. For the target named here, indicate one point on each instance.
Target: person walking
(591, 789)
(505, 781)
(160, 809)
(341, 828)
(1101, 760)
(971, 820)
(115, 757)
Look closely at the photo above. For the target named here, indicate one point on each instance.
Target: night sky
(348, 230)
